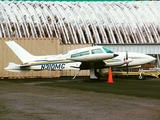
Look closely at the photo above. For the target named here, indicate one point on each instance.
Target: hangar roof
(83, 22)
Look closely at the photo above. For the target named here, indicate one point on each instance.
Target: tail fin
(21, 53)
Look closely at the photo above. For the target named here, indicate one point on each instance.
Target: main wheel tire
(98, 75)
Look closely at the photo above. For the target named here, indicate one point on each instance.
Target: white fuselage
(136, 60)
(83, 58)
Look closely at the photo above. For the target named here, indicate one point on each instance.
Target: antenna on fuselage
(94, 44)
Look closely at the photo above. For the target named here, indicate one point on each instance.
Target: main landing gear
(94, 75)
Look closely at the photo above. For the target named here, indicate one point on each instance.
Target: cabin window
(96, 51)
(80, 54)
(107, 50)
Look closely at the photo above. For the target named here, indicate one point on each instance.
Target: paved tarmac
(35, 101)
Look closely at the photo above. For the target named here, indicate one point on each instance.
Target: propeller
(126, 62)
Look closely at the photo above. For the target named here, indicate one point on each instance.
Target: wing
(102, 64)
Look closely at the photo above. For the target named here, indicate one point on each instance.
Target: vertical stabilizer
(21, 53)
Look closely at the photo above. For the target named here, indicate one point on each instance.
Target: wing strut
(76, 74)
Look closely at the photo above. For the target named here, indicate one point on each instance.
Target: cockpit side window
(80, 54)
(96, 51)
(107, 50)
(64, 53)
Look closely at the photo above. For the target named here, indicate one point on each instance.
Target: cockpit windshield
(107, 50)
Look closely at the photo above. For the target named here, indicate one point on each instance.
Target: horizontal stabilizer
(12, 67)
(20, 71)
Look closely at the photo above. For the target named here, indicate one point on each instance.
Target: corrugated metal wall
(35, 46)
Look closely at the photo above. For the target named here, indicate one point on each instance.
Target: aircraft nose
(115, 55)
(150, 58)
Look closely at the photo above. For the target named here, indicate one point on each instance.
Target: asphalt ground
(79, 99)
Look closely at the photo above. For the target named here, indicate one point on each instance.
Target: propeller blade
(127, 62)
(127, 70)
(126, 55)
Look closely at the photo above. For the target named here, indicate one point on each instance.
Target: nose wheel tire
(141, 77)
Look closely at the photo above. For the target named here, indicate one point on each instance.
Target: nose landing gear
(140, 76)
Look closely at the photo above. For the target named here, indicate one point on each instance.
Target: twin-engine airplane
(88, 58)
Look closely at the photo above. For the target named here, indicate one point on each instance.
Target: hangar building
(121, 26)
